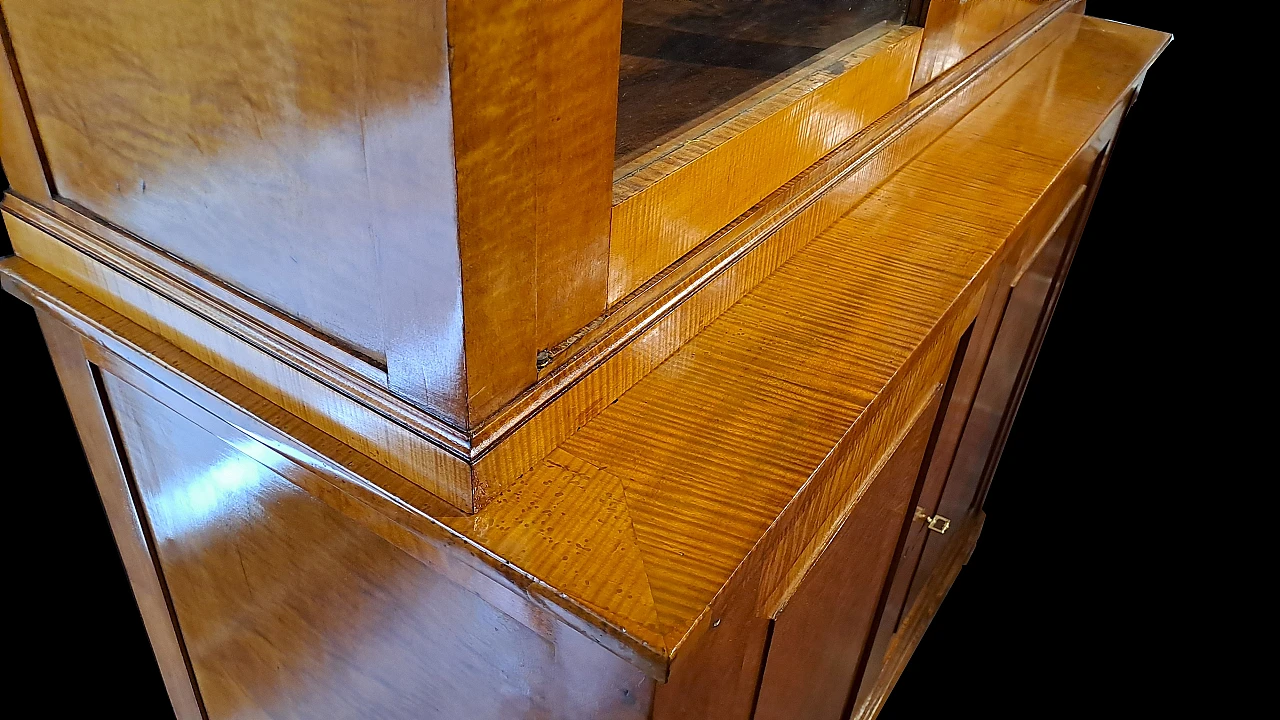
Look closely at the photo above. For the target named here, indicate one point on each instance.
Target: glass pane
(685, 60)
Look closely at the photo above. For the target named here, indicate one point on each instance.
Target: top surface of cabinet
(425, 225)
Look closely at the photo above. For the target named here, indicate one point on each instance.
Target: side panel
(264, 599)
(300, 152)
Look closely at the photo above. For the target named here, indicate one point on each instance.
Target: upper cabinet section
(446, 213)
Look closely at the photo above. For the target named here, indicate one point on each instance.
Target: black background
(1076, 600)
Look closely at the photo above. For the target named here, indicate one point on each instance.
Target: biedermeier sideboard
(569, 359)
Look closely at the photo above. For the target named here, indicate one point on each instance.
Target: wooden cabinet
(583, 359)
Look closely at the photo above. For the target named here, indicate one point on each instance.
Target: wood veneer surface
(646, 512)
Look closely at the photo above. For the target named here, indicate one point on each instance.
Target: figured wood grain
(1019, 318)
(581, 515)
(718, 678)
(816, 650)
(667, 202)
(421, 459)
(683, 60)
(577, 71)
(271, 150)
(514, 440)
(289, 609)
(636, 335)
(534, 88)
(910, 567)
(344, 173)
(347, 481)
(492, 79)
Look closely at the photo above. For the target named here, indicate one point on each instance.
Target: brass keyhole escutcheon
(935, 523)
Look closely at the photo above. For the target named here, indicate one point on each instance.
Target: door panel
(1012, 356)
(819, 638)
(981, 401)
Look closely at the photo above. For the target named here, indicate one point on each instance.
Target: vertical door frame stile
(90, 409)
(539, 147)
(873, 642)
(1046, 313)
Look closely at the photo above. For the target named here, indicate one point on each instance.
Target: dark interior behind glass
(684, 59)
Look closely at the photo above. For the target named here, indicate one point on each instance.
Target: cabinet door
(819, 639)
(1032, 296)
(979, 405)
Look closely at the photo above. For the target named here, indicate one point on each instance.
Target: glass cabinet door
(685, 60)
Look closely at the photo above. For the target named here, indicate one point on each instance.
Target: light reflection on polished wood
(641, 332)
(404, 451)
(864, 317)
(264, 156)
(888, 289)
(331, 169)
(23, 167)
(79, 384)
(347, 396)
(288, 609)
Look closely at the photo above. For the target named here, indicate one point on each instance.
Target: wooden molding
(955, 29)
